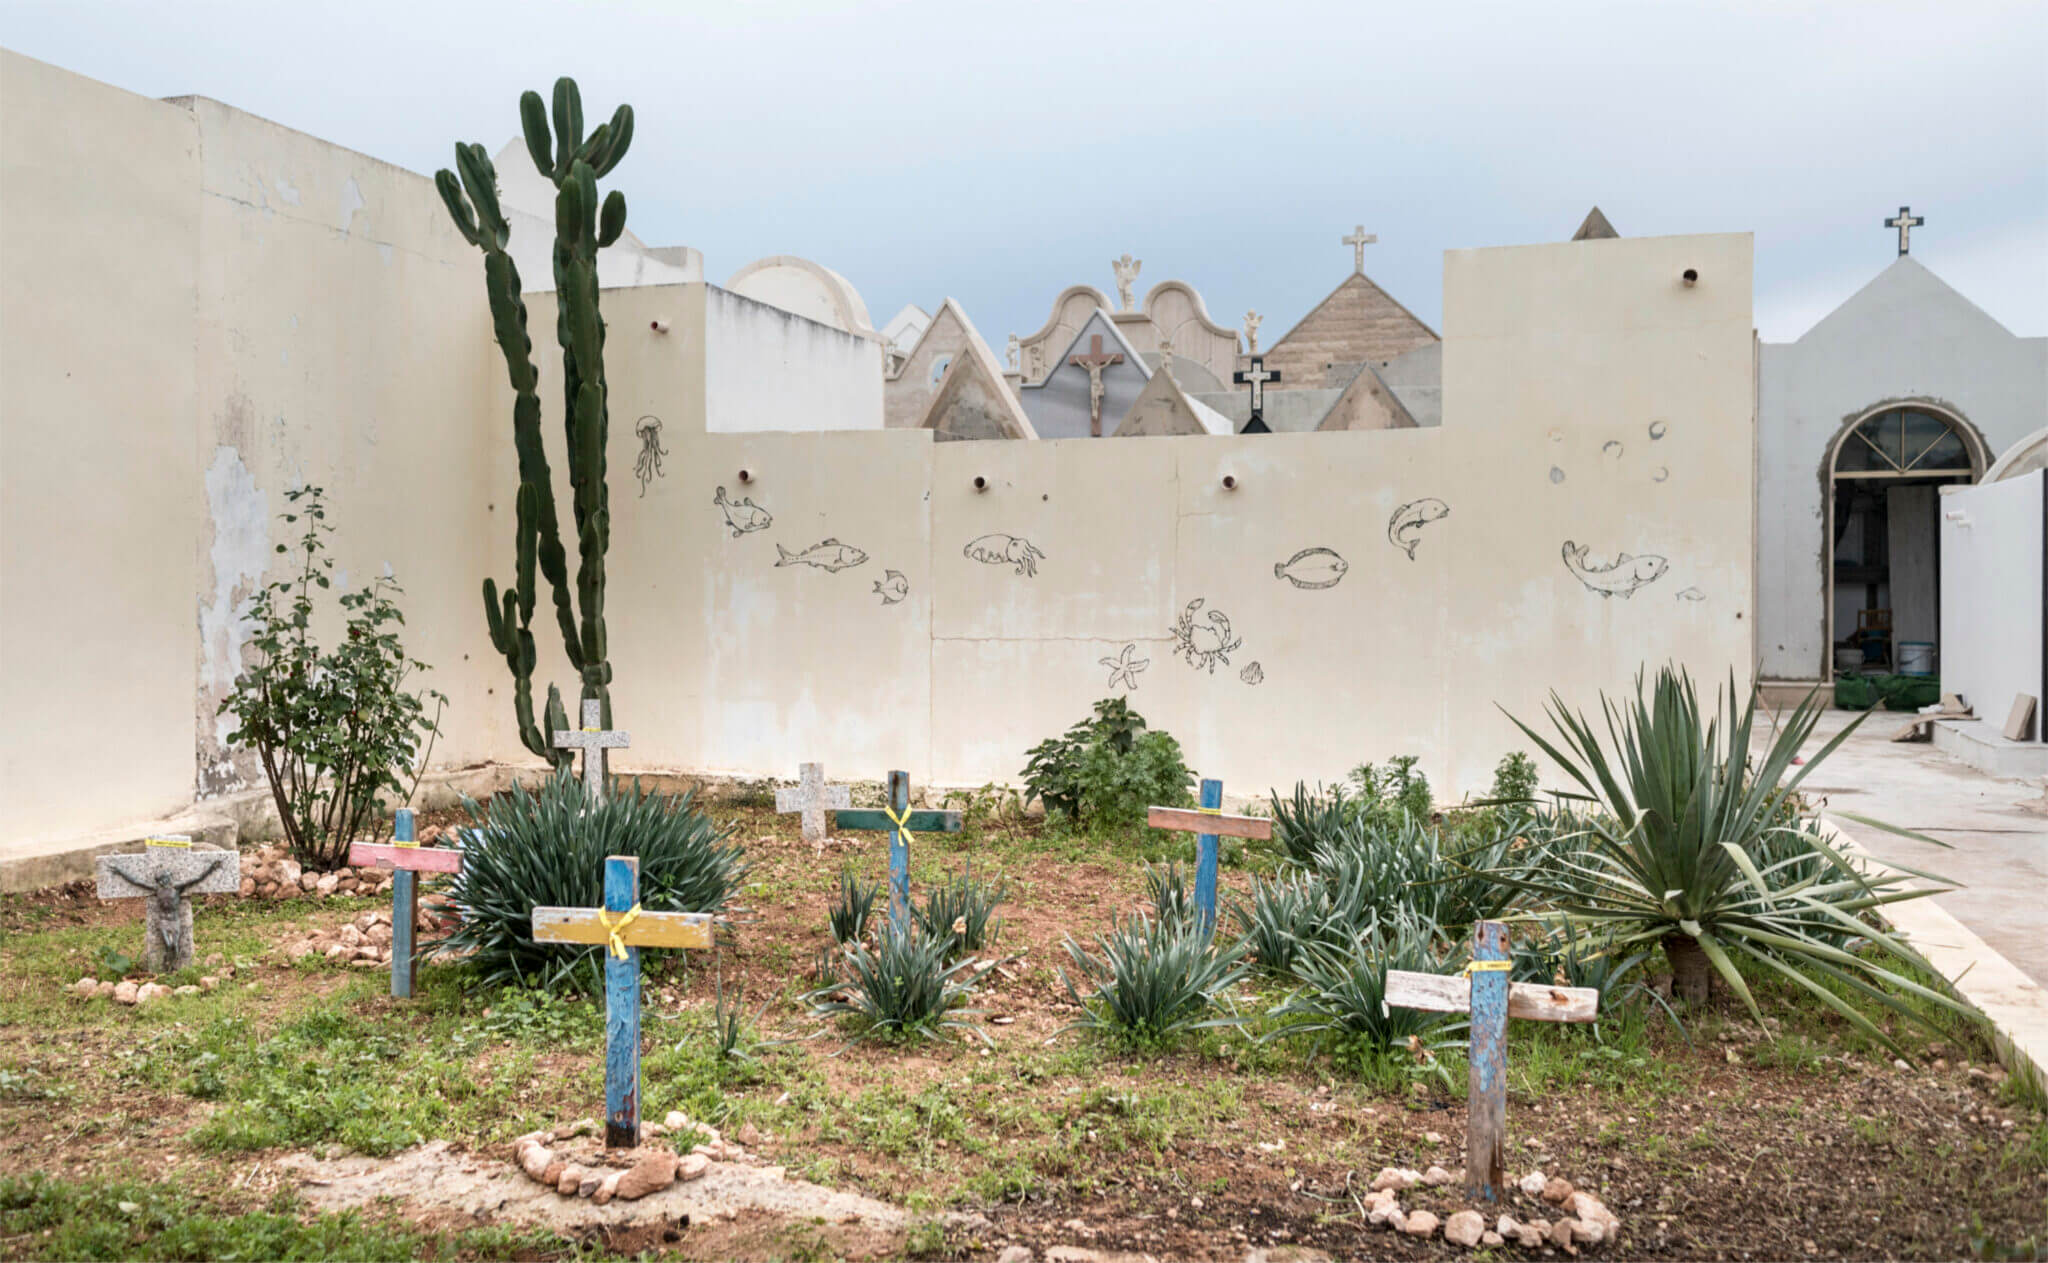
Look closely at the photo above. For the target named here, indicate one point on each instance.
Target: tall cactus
(574, 163)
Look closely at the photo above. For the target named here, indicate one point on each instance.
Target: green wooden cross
(901, 822)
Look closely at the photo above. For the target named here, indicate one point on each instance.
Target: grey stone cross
(811, 797)
(593, 740)
(1358, 241)
(168, 877)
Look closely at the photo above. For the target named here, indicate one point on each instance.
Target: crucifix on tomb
(1256, 375)
(811, 797)
(1485, 992)
(1095, 361)
(622, 928)
(409, 859)
(1358, 241)
(593, 740)
(1905, 221)
(1207, 822)
(901, 823)
(167, 874)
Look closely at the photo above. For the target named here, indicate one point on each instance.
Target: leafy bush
(1398, 788)
(1106, 770)
(961, 910)
(849, 916)
(548, 849)
(1171, 895)
(1691, 850)
(902, 987)
(335, 729)
(1344, 993)
(1514, 779)
(1153, 980)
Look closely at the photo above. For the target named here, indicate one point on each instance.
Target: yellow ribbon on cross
(902, 822)
(168, 841)
(1210, 811)
(1487, 967)
(615, 929)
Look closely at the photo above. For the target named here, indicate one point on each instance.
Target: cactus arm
(568, 124)
(613, 220)
(458, 206)
(533, 121)
(620, 135)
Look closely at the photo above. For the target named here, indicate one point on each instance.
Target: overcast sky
(997, 154)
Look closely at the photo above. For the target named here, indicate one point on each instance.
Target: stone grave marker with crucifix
(167, 873)
(1208, 824)
(811, 798)
(409, 859)
(901, 823)
(1094, 362)
(1255, 375)
(622, 927)
(1905, 221)
(1484, 991)
(593, 740)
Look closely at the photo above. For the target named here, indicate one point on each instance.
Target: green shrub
(1170, 892)
(962, 910)
(1344, 993)
(1514, 779)
(1152, 980)
(548, 849)
(902, 987)
(849, 916)
(335, 729)
(1107, 770)
(1398, 788)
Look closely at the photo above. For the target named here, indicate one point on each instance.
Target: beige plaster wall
(99, 475)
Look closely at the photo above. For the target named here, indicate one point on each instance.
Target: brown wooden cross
(1095, 361)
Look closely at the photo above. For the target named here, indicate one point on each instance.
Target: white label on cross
(592, 740)
(811, 797)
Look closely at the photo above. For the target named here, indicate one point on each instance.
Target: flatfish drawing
(1404, 529)
(892, 586)
(1005, 550)
(1620, 577)
(1312, 568)
(826, 554)
(1253, 674)
(1692, 594)
(742, 516)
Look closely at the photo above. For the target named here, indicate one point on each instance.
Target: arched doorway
(1886, 472)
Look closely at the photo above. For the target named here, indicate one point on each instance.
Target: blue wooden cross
(1485, 992)
(409, 859)
(901, 822)
(623, 928)
(1206, 823)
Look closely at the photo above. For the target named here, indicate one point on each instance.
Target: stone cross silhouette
(1358, 241)
(1256, 375)
(168, 874)
(1905, 221)
(1095, 361)
(593, 740)
(1126, 274)
(811, 797)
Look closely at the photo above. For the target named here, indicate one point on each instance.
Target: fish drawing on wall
(742, 516)
(1206, 643)
(1005, 550)
(1125, 667)
(1692, 594)
(1404, 529)
(1253, 674)
(827, 554)
(1312, 568)
(892, 586)
(1620, 577)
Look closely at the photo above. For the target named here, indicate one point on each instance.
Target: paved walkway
(1997, 830)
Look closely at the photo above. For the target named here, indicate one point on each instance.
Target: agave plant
(1171, 896)
(962, 910)
(1694, 849)
(1152, 980)
(1344, 993)
(1284, 915)
(902, 987)
(849, 916)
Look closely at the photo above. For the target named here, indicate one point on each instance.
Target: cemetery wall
(1992, 612)
(97, 462)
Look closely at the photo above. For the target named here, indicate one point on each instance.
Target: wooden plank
(1486, 1100)
(405, 908)
(858, 818)
(1185, 820)
(1206, 855)
(2019, 725)
(649, 929)
(1529, 1001)
(621, 1010)
(418, 859)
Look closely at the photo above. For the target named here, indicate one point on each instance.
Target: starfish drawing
(1124, 667)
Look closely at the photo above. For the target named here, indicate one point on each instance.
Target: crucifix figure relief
(593, 740)
(1252, 320)
(1905, 221)
(1126, 276)
(1095, 361)
(1256, 375)
(1166, 358)
(1358, 241)
(168, 878)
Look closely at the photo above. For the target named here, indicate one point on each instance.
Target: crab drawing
(1206, 643)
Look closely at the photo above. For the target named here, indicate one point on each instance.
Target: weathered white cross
(168, 874)
(1095, 361)
(811, 798)
(593, 740)
(1358, 241)
(1484, 991)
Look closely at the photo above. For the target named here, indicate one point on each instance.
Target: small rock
(535, 1161)
(1400, 1179)
(591, 1181)
(675, 1120)
(651, 1174)
(571, 1179)
(326, 884)
(307, 881)
(551, 1174)
(1437, 1177)
(1490, 1237)
(1529, 1236)
(248, 887)
(750, 1135)
(339, 951)
(188, 989)
(1532, 1143)
(366, 962)
(581, 1127)
(1433, 1137)
(151, 991)
(208, 982)
(1561, 1234)
(1558, 1191)
(692, 1167)
(86, 987)
(1072, 1254)
(288, 872)
(1420, 1224)
(1585, 1232)
(1015, 1254)
(607, 1188)
(106, 990)
(1533, 1183)
(1465, 1228)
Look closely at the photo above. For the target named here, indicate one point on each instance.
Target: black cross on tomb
(1256, 375)
(1905, 221)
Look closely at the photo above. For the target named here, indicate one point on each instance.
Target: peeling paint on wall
(351, 202)
(239, 513)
